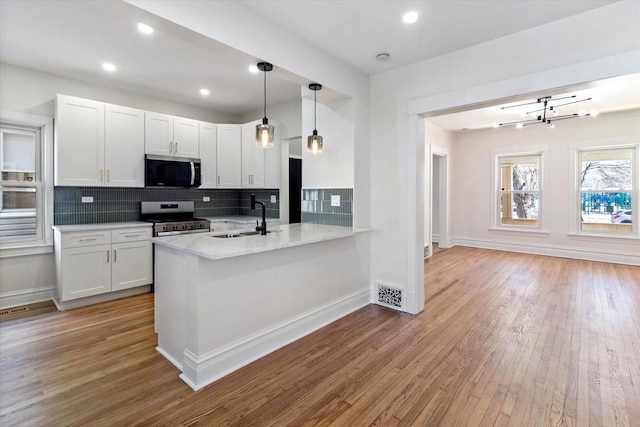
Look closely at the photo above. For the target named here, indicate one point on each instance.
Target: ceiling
(73, 38)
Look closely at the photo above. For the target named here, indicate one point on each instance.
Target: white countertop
(101, 226)
(283, 236)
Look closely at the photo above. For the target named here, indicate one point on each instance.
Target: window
(519, 177)
(606, 190)
(519, 195)
(25, 191)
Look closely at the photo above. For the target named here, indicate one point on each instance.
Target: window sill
(25, 250)
(519, 231)
(595, 237)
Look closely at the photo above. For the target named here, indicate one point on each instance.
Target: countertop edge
(248, 251)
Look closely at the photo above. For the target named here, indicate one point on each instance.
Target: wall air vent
(390, 297)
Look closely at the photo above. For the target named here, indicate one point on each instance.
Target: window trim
(575, 147)
(44, 201)
(541, 150)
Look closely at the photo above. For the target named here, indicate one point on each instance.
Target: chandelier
(548, 114)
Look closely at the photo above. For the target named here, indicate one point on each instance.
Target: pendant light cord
(315, 107)
(265, 93)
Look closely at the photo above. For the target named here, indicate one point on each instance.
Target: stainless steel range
(170, 218)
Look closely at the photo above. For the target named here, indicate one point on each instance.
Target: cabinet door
(273, 159)
(85, 271)
(79, 142)
(252, 158)
(185, 138)
(131, 265)
(158, 131)
(208, 156)
(229, 155)
(124, 146)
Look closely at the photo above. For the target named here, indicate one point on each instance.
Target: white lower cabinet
(101, 261)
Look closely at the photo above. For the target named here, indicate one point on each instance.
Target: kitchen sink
(226, 236)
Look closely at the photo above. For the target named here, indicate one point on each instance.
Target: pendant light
(264, 131)
(314, 142)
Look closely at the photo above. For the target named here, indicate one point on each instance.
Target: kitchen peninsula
(223, 302)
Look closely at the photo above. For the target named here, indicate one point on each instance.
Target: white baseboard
(587, 254)
(199, 371)
(26, 296)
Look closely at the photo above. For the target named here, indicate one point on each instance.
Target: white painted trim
(198, 372)
(417, 180)
(587, 254)
(568, 75)
(26, 296)
(575, 147)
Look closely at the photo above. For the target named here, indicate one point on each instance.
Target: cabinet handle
(132, 235)
(176, 147)
(115, 255)
(100, 175)
(170, 146)
(107, 257)
(108, 175)
(218, 180)
(87, 239)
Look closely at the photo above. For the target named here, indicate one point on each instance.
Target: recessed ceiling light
(204, 92)
(107, 66)
(253, 69)
(410, 17)
(144, 28)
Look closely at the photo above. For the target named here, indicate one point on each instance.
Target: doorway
(295, 190)
(436, 194)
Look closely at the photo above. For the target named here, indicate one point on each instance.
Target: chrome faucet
(263, 228)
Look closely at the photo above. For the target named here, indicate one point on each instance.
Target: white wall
(289, 114)
(334, 167)
(396, 158)
(472, 201)
(33, 92)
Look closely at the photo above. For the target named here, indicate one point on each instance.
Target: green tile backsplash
(317, 209)
(123, 204)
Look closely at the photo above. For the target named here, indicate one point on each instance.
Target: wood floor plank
(505, 339)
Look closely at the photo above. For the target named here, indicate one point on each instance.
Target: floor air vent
(389, 297)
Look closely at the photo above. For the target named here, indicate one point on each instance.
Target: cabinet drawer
(130, 234)
(78, 239)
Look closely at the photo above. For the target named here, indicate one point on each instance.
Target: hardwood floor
(506, 339)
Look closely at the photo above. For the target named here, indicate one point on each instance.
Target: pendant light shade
(265, 131)
(314, 141)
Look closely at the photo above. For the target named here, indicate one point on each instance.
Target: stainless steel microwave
(166, 171)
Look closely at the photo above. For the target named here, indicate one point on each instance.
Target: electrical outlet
(206, 199)
(273, 198)
(87, 199)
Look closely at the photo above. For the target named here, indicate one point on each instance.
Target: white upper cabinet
(229, 154)
(208, 154)
(171, 136)
(124, 148)
(79, 142)
(98, 144)
(252, 158)
(273, 159)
